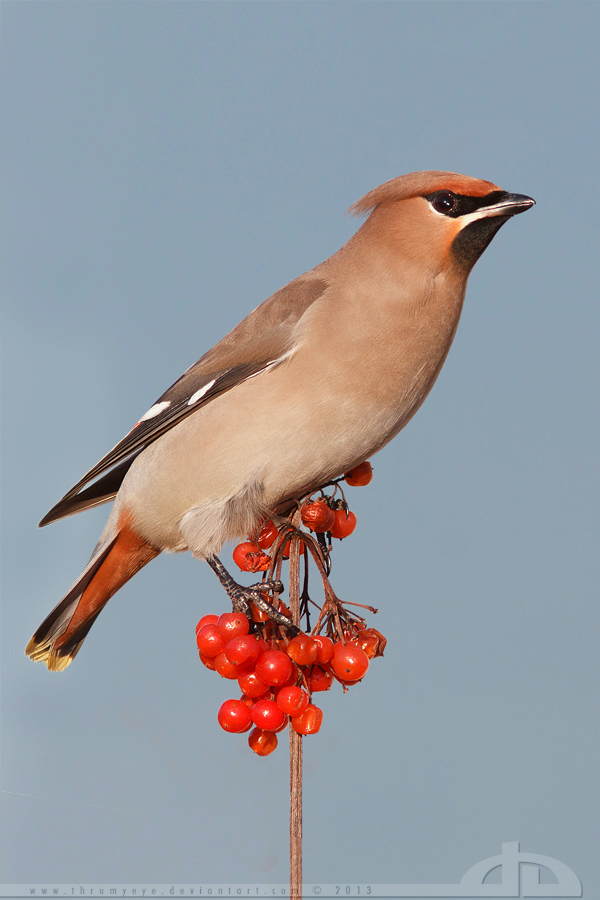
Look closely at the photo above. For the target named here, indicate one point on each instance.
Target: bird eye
(444, 202)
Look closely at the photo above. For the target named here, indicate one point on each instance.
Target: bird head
(438, 219)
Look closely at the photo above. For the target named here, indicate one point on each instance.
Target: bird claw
(257, 591)
(266, 587)
(242, 597)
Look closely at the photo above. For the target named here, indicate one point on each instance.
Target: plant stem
(295, 739)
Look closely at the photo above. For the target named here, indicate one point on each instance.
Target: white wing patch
(270, 365)
(195, 397)
(155, 410)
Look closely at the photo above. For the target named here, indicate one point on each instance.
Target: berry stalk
(295, 738)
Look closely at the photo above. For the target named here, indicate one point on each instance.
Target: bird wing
(262, 340)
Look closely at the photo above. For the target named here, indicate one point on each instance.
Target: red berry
(252, 686)
(343, 524)
(371, 641)
(359, 475)
(243, 650)
(225, 668)
(268, 535)
(309, 722)
(303, 650)
(257, 614)
(325, 648)
(292, 679)
(262, 742)
(317, 516)
(292, 700)
(232, 625)
(209, 640)
(349, 661)
(235, 716)
(267, 715)
(274, 667)
(320, 679)
(250, 558)
(208, 661)
(206, 620)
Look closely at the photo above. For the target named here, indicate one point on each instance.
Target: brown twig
(295, 739)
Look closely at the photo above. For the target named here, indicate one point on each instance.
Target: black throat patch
(469, 244)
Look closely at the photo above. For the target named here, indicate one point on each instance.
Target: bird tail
(58, 639)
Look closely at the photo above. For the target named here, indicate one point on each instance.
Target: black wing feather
(102, 491)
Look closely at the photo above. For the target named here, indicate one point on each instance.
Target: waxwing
(341, 358)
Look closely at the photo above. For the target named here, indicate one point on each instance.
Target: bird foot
(241, 596)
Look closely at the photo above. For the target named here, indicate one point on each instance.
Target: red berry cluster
(277, 676)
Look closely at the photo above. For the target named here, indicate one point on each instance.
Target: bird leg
(241, 596)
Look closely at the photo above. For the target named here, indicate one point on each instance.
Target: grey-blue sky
(168, 166)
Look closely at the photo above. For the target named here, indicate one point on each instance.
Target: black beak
(508, 205)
